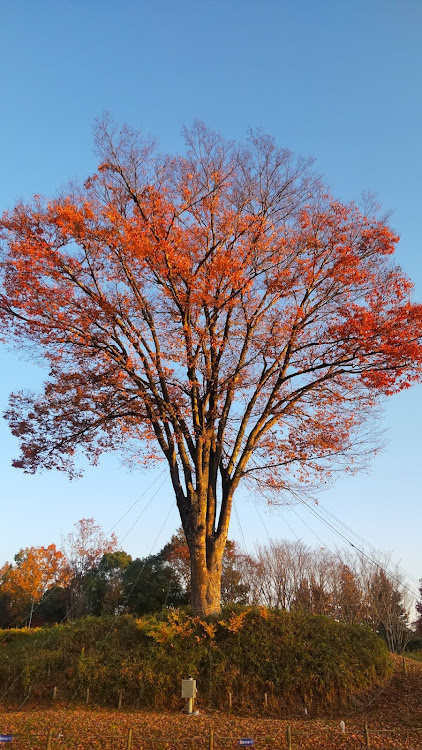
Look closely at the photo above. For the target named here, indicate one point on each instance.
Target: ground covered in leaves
(393, 717)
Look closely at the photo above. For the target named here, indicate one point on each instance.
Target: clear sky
(334, 79)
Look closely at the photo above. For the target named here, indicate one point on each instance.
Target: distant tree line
(91, 576)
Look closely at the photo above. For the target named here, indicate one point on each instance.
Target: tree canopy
(218, 309)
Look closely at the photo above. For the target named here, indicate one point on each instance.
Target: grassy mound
(296, 658)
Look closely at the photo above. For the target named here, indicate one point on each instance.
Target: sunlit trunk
(205, 583)
(206, 530)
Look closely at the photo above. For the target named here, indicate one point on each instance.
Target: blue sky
(336, 80)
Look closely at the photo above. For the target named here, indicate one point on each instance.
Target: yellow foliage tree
(36, 570)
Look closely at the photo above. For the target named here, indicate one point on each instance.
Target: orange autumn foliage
(36, 570)
(219, 310)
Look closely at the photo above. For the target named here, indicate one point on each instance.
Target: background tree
(234, 584)
(106, 583)
(150, 585)
(351, 588)
(282, 568)
(418, 621)
(84, 549)
(176, 554)
(388, 607)
(6, 617)
(54, 605)
(350, 602)
(218, 309)
(35, 572)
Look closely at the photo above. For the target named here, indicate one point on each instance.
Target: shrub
(296, 658)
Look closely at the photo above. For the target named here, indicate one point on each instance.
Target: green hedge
(297, 659)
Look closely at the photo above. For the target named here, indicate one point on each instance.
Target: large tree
(218, 309)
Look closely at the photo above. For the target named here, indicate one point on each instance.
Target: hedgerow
(299, 660)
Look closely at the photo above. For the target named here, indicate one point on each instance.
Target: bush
(296, 658)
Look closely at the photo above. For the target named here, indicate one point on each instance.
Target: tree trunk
(205, 582)
(206, 588)
(31, 613)
(206, 537)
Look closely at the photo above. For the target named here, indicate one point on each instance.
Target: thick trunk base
(206, 589)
